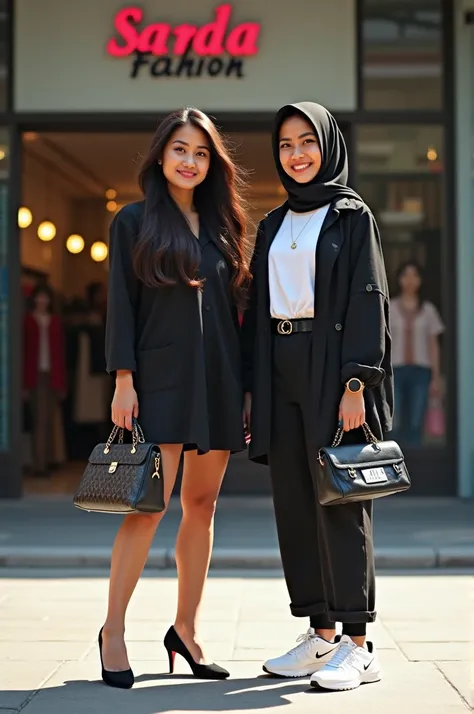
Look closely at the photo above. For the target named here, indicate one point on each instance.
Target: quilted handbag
(360, 472)
(123, 478)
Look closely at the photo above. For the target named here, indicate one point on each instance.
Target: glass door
(400, 173)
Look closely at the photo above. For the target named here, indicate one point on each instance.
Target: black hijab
(330, 184)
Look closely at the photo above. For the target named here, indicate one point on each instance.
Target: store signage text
(185, 50)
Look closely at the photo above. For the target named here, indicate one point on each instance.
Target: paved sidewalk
(49, 661)
(409, 533)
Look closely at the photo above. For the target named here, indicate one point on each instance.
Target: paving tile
(17, 682)
(239, 613)
(437, 651)
(75, 689)
(433, 630)
(155, 650)
(45, 630)
(42, 651)
(461, 676)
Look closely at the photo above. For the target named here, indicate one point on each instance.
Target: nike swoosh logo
(318, 656)
(366, 666)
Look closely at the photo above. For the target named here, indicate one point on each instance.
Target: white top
(44, 359)
(292, 271)
(411, 335)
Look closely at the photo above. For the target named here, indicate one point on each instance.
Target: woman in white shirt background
(416, 327)
(316, 350)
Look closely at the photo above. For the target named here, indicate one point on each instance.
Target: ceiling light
(25, 217)
(111, 193)
(46, 230)
(99, 251)
(75, 243)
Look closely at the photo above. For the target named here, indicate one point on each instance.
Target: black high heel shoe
(121, 680)
(175, 645)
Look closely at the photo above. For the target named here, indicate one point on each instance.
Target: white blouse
(292, 271)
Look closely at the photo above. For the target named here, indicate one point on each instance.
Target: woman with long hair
(178, 275)
(416, 327)
(317, 351)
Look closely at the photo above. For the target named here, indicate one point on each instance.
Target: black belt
(289, 327)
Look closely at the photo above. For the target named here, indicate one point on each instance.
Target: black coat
(351, 335)
(188, 378)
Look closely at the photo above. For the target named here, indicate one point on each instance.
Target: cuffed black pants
(327, 552)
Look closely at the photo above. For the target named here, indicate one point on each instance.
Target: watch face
(354, 385)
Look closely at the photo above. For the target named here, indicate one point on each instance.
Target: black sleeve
(366, 324)
(122, 300)
(249, 323)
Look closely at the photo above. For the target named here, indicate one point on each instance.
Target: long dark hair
(421, 274)
(41, 289)
(166, 250)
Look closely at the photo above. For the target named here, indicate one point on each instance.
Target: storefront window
(400, 175)
(4, 49)
(402, 54)
(4, 293)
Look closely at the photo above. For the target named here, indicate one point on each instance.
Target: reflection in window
(4, 46)
(402, 54)
(400, 175)
(4, 341)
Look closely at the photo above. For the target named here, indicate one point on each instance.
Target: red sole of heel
(172, 655)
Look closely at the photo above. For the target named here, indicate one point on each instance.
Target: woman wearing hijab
(317, 351)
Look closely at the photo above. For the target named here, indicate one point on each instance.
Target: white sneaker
(349, 667)
(309, 656)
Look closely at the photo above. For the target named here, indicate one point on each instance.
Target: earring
(160, 161)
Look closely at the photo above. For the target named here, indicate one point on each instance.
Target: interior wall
(46, 191)
(91, 221)
(43, 195)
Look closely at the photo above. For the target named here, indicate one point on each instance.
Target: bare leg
(202, 479)
(129, 555)
(328, 635)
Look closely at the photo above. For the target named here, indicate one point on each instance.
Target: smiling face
(299, 150)
(186, 158)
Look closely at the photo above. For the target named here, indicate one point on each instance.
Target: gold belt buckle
(285, 327)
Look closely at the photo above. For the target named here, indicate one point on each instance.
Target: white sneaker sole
(345, 686)
(292, 673)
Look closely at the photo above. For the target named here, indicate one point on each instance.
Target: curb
(386, 558)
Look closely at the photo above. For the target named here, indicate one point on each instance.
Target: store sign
(185, 50)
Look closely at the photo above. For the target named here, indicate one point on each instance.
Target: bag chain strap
(369, 436)
(137, 437)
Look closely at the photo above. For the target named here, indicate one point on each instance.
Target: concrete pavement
(409, 533)
(49, 662)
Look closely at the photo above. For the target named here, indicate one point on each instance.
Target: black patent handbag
(123, 478)
(360, 472)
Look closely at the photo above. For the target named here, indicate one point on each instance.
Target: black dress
(185, 356)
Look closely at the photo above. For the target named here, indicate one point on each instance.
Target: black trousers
(327, 552)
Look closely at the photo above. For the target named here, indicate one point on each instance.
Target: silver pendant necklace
(294, 243)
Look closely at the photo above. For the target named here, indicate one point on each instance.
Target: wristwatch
(354, 385)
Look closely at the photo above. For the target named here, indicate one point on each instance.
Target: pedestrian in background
(44, 378)
(416, 327)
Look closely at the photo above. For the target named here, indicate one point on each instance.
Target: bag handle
(137, 436)
(369, 437)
